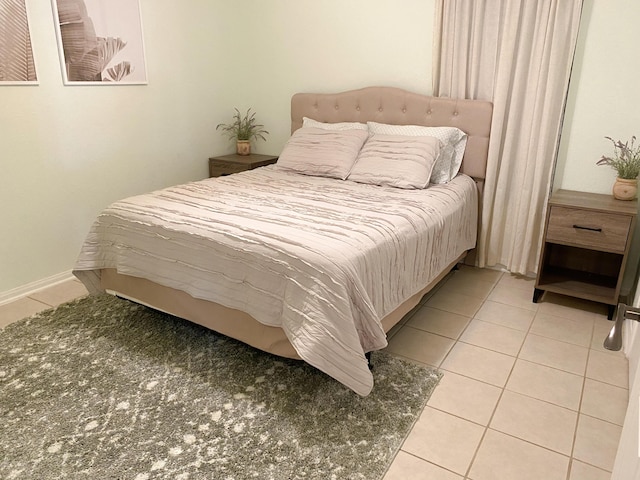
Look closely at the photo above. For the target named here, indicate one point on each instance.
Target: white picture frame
(100, 42)
(17, 62)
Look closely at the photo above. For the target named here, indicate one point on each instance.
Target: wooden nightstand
(234, 163)
(585, 246)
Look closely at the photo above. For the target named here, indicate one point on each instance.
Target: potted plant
(243, 128)
(626, 162)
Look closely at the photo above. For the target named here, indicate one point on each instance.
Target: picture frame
(17, 62)
(100, 42)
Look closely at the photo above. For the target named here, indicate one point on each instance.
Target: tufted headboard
(400, 107)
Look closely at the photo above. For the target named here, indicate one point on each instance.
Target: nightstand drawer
(234, 163)
(219, 168)
(586, 228)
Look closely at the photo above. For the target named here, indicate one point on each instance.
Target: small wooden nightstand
(585, 246)
(234, 163)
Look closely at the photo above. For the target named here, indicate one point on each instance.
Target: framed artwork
(17, 66)
(100, 42)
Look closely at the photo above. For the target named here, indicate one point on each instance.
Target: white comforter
(323, 259)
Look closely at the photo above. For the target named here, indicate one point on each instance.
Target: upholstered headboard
(400, 107)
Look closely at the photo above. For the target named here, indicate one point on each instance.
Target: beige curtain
(517, 54)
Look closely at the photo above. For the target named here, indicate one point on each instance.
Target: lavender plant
(626, 158)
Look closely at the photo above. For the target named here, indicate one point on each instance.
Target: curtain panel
(518, 55)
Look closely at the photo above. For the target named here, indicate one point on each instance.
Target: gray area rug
(101, 388)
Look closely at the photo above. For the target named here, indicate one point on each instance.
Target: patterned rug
(101, 388)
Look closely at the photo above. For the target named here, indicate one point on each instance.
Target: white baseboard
(29, 288)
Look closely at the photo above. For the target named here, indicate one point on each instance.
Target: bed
(293, 264)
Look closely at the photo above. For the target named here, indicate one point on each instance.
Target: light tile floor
(41, 300)
(528, 392)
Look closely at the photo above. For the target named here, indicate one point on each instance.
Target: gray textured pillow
(453, 139)
(320, 152)
(396, 160)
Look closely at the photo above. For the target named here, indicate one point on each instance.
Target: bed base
(228, 321)
(378, 104)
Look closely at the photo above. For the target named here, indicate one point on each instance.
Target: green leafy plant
(243, 127)
(626, 158)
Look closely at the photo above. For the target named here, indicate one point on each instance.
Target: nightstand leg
(537, 293)
(611, 309)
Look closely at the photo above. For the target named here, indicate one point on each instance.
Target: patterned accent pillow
(396, 160)
(322, 153)
(310, 122)
(453, 139)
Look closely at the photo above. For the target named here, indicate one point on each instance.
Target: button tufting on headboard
(397, 106)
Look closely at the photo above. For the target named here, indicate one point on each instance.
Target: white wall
(604, 97)
(331, 46)
(604, 100)
(68, 151)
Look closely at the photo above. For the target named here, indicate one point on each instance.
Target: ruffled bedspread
(323, 259)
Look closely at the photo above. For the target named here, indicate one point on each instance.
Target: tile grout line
(575, 429)
(439, 367)
(495, 408)
(40, 301)
(428, 461)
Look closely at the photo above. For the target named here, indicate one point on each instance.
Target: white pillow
(453, 139)
(310, 122)
(323, 153)
(396, 160)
